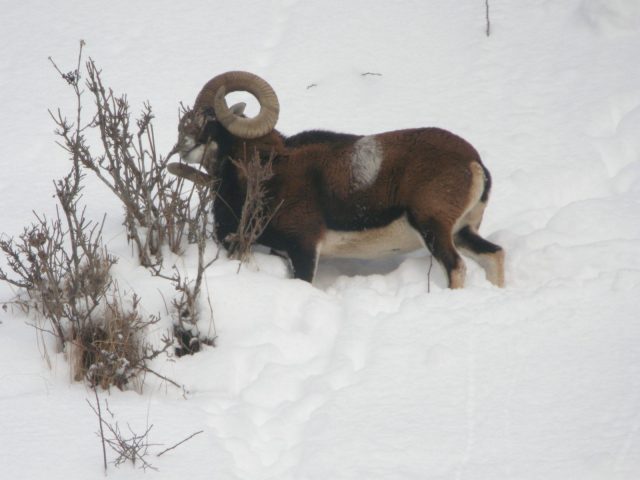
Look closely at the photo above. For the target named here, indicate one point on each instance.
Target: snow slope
(364, 374)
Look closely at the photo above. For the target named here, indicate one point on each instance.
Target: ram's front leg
(304, 260)
(225, 221)
(299, 234)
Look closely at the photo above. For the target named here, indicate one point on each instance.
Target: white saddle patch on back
(365, 162)
(397, 237)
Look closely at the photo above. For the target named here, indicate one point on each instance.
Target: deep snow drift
(364, 374)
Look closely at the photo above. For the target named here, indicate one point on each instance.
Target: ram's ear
(189, 173)
(238, 109)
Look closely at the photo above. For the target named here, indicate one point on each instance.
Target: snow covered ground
(363, 375)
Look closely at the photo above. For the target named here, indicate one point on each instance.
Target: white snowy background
(363, 375)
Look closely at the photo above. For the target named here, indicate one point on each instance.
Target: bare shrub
(127, 162)
(186, 311)
(129, 446)
(114, 350)
(186, 315)
(63, 272)
(158, 210)
(257, 209)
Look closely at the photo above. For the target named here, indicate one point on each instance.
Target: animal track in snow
(282, 379)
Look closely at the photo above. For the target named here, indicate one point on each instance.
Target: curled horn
(213, 95)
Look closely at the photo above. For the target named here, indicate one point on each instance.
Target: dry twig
(488, 21)
(257, 209)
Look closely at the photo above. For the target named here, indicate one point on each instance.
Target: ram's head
(211, 124)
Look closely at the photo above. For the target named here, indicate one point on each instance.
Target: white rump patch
(365, 162)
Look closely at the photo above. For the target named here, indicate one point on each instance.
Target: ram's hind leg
(438, 238)
(488, 255)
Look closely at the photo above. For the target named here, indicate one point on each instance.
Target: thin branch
(162, 377)
(180, 443)
(98, 412)
(486, 5)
